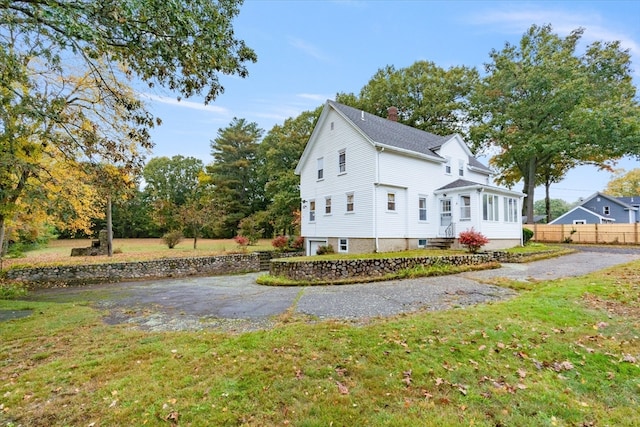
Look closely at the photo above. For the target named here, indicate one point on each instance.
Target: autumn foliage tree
(543, 104)
(624, 184)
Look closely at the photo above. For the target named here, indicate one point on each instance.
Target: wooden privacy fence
(586, 233)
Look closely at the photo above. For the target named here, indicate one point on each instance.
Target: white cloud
(314, 97)
(184, 104)
(309, 49)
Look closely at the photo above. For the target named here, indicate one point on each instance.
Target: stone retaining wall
(116, 272)
(330, 270)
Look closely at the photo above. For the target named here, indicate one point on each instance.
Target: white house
(372, 184)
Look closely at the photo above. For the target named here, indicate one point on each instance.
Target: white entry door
(314, 245)
(445, 216)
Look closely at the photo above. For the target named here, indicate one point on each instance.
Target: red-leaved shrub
(241, 240)
(280, 242)
(472, 240)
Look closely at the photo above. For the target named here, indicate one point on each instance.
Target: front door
(445, 216)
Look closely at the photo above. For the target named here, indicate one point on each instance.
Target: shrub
(297, 243)
(10, 290)
(242, 241)
(172, 238)
(322, 250)
(250, 229)
(280, 242)
(472, 240)
(527, 234)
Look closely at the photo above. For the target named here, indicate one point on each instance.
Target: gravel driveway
(237, 303)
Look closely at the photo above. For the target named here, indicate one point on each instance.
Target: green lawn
(564, 353)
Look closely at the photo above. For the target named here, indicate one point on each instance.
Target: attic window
(461, 167)
(447, 166)
(606, 210)
(332, 126)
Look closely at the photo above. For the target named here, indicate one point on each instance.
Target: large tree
(427, 96)
(624, 184)
(238, 188)
(63, 67)
(281, 150)
(171, 183)
(542, 103)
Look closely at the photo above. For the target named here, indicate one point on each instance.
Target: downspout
(375, 200)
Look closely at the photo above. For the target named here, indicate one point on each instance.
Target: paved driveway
(237, 303)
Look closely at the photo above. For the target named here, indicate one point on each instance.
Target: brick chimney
(392, 114)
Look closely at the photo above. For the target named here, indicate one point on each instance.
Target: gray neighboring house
(603, 209)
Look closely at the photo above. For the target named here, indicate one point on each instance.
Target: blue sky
(310, 50)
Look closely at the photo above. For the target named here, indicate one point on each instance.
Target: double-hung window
(342, 161)
(343, 245)
(312, 210)
(490, 207)
(465, 208)
(461, 167)
(422, 208)
(321, 168)
(327, 205)
(391, 201)
(350, 203)
(447, 166)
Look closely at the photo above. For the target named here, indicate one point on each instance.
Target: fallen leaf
(342, 388)
(522, 373)
(439, 381)
(172, 416)
(406, 377)
(629, 358)
(482, 347)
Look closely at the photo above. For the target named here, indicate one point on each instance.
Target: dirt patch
(617, 308)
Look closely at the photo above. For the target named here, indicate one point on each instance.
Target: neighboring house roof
(631, 201)
(463, 184)
(393, 135)
(617, 200)
(587, 212)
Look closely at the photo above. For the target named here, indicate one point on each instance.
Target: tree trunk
(547, 201)
(109, 228)
(3, 250)
(530, 185)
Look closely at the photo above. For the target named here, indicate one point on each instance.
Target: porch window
(490, 207)
(312, 210)
(510, 209)
(422, 208)
(391, 201)
(350, 203)
(342, 161)
(465, 208)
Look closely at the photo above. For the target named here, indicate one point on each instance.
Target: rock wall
(329, 270)
(117, 272)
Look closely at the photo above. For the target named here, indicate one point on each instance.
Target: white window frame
(421, 209)
(351, 196)
(343, 245)
(511, 209)
(320, 164)
(327, 205)
(490, 210)
(465, 210)
(606, 210)
(422, 245)
(391, 201)
(447, 166)
(342, 161)
(461, 167)
(312, 210)
(579, 221)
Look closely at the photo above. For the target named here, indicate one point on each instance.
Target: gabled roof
(617, 200)
(390, 133)
(587, 212)
(631, 201)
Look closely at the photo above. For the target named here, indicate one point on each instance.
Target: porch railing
(450, 231)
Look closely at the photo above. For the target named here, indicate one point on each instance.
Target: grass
(58, 252)
(564, 353)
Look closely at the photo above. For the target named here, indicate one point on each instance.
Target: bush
(296, 243)
(472, 240)
(172, 238)
(250, 229)
(10, 290)
(280, 243)
(323, 250)
(242, 241)
(527, 235)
